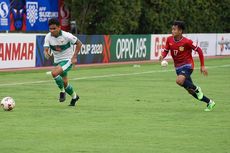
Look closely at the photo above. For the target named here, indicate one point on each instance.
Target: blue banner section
(38, 13)
(17, 15)
(4, 15)
(27, 15)
(92, 49)
(40, 58)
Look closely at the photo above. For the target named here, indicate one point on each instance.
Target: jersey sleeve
(192, 45)
(46, 42)
(73, 39)
(196, 48)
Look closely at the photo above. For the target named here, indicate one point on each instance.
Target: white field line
(106, 76)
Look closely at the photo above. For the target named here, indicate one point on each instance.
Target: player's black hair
(54, 21)
(179, 24)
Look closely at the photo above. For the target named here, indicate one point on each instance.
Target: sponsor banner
(4, 15)
(223, 44)
(95, 49)
(18, 15)
(17, 50)
(30, 15)
(157, 45)
(64, 15)
(130, 47)
(40, 58)
(39, 12)
(207, 42)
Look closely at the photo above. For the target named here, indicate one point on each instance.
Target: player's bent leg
(66, 66)
(189, 85)
(180, 80)
(193, 89)
(184, 80)
(210, 106)
(62, 96)
(59, 81)
(192, 92)
(199, 93)
(73, 101)
(71, 92)
(56, 71)
(65, 80)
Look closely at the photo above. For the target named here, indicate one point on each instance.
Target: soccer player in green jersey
(60, 44)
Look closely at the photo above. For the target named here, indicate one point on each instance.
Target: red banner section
(64, 15)
(17, 50)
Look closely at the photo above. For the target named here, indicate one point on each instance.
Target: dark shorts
(185, 70)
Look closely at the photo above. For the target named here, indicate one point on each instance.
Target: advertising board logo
(64, 11)
(224, 44)
(64, 16)
(106, 49)
(160, 43)
(3, 10)
(131, 48)
(32, 12)
(204, 46)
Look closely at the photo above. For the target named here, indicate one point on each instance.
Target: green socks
(59, 82)
(70, 91)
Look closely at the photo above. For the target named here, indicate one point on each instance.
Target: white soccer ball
(164, 63)
(8, 103)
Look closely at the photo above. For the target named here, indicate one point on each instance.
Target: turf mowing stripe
(106, 76)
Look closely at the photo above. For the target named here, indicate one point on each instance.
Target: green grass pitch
(122, 109)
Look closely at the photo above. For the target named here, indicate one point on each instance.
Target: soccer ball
(8, 103)
(164, 63)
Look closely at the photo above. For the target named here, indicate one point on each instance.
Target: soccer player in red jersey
(181, 51)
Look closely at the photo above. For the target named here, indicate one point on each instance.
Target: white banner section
(211, 44)
(17, 50)
(207, 42)
(223, 44)
(157, 45)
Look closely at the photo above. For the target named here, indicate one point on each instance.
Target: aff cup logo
(32, 12)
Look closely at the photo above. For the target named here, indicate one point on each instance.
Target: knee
(54, 73)
(179, 81)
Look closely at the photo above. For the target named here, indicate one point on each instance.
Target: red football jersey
(181, 51)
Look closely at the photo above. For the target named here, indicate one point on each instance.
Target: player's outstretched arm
(78, 47)
(163, 55)
(203, 70)
(47, 53)
(161, 58)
